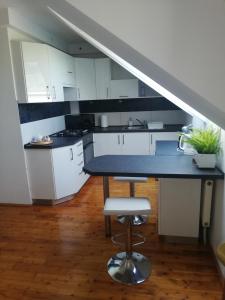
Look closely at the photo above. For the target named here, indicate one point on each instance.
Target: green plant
(205, 141)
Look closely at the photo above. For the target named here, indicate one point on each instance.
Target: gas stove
(70, 133)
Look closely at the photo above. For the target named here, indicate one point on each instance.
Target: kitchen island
(165, 167)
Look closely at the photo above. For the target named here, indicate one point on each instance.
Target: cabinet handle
(78, 89)
(80, 163)
(54, 92)
(123, 139)
(107, 92)
(123, 96)
(71, 152)
(151, 139)
(70, 72)
(47, 91)
(80, 154)
(81, 172)
(118, 136)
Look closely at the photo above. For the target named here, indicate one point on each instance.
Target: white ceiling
(37, 11)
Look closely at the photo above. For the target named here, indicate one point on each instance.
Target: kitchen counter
(149, 166)
(167, 148)
(57, 143)
(116, 129)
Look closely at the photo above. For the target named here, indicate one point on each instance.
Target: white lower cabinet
(122, 143)
(179, 207)
(56, 173)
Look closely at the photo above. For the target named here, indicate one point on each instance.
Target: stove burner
(70, 133)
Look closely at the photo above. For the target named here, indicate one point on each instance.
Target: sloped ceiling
(179, 44)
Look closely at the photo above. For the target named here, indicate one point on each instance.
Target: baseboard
(51, 202)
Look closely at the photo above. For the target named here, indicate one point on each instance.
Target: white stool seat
(131, 179)
(127, 206)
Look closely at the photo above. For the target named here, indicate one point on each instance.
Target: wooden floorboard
(60, 253)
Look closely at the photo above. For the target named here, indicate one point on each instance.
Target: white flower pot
(205, 160)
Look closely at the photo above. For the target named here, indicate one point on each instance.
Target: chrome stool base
(129, 269)
(136, 220)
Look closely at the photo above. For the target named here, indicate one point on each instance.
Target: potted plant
(207, 144)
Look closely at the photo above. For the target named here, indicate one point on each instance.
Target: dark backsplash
(38, 111)
(123, 105)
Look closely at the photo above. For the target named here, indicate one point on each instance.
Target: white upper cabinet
(85, 78)
(55, 65)
(68, 71)
(35, 63)
(103, 77)
(125, 88)
(41, 72)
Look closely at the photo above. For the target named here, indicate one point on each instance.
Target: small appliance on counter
(155, 125)
(82, 121)
(104, 121)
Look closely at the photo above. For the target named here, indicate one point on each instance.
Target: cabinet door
(56, 72)
(36, 71)
(162, 136)
(179, 207)
(107, 143)
(103, 77)
(126, 88)
(85, 78)
(68, 77)
(64, 166)
(136, 143)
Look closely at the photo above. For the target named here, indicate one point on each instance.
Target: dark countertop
(149, 166)
(167, 148)
(57, 143)
(124, 128)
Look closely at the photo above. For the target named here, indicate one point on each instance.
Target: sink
(134, 127)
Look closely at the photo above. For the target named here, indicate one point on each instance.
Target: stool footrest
(118, 243)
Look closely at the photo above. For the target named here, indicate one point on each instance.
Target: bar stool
(138, 219)
(128, 267)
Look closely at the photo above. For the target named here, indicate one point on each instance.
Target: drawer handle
(80, 154)
(80, 163)
(81, 172)
(80, 144)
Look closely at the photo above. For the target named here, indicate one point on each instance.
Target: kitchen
(115, 117)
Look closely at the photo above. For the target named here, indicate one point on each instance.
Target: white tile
(41, 127)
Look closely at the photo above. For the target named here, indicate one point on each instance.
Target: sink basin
(134, 127)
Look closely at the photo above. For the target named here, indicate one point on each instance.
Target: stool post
(129, 237)
(106, 195)
(132, 189)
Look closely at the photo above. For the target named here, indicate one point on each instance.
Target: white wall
(13, 176)
(167, 117)
(179, 44)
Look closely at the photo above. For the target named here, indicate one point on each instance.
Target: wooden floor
(60, 253)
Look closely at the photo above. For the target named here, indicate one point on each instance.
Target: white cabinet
(68, 71)
(31, 70)
(121, 143)
(179, 207)
(107, 143)
(126, 88)
(41, 72)
(55, 76)
(103, 77)
(85, 78)
(162, 136)
(56, 173)
(135, 143)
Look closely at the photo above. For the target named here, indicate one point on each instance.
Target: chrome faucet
(144, 123)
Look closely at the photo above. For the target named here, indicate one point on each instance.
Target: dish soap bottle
(130, 122)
